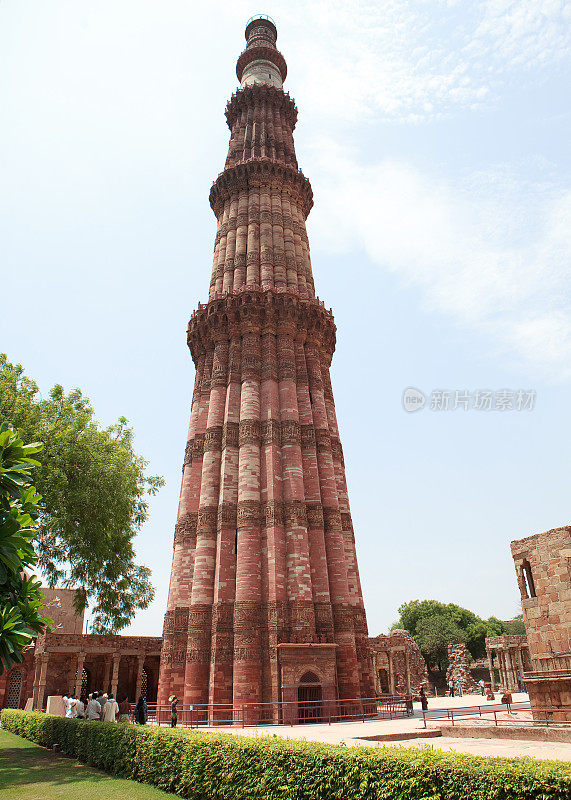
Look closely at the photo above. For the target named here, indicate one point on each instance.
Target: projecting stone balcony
(257, 308)
(257, 172)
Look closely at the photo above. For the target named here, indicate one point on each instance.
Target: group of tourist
(103, 707)
(454, 688)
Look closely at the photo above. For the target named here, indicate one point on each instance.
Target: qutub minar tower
(264, 594)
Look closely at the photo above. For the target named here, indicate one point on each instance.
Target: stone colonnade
(112, 664)
(513, 660)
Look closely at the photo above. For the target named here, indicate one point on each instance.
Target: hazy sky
(436, 137)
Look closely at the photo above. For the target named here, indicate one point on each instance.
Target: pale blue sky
(436, 137)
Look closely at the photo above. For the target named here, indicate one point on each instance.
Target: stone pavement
(349, 733)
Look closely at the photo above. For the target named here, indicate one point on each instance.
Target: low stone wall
(535, 733)
(550, 690)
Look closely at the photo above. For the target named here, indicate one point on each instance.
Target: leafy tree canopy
(95, 492)
(20, 596)
(434, 634)
(435, 625)
(515, 625)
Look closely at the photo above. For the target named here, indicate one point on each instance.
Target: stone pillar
(139, 678)
(79, 673)
(44, 659)
(491, 669)
(509, 670)
(519, 662)
(503, 670)
(106, 674)
(115, 674)
(37, 668)
(407, 670)
(391, 672)
(513, 670)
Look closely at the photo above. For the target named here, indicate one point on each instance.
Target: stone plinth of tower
(264, 584)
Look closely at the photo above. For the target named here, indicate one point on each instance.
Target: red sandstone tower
(264, 594)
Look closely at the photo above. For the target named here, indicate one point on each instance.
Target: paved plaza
(351, 733)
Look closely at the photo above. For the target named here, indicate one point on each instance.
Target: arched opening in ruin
(383, 676)
(309, 698)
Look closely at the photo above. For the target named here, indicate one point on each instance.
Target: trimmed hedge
(218, 766)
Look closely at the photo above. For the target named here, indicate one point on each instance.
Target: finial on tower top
(261, 62)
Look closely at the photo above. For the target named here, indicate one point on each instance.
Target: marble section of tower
(264, 585)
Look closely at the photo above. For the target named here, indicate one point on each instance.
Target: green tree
(419, 617)
(95, 492)
(20, 596)
(434, 634)
(515, 625)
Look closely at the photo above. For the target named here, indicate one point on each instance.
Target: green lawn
(28, 772)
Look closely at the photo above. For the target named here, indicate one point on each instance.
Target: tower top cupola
(261, 61)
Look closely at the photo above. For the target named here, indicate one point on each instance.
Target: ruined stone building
(511, 653)
(398, 664)
(265, 599)
(65, 660)
(543, 569)
(459, 669)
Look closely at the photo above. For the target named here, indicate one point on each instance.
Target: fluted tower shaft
(264, 585)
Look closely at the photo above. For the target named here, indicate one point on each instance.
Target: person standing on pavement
(141, 711)
(110, 710)
(124, 710)
(93, 710)
(451, 687)
(80, 708)
(102, 699)
(173, 700)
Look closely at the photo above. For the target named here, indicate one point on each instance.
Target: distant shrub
(220, 766)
